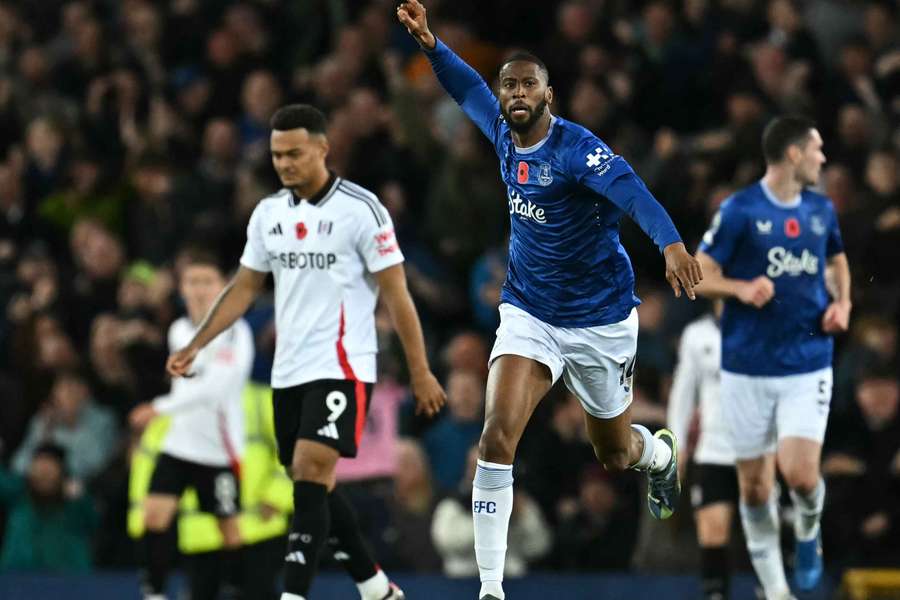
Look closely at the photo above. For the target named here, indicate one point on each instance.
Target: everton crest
(545, 177)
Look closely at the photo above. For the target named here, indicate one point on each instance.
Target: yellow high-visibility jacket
(263, 481)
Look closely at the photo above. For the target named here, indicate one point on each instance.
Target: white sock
(492, 498)
(662, 454)
(375, 587)
(656, 453)
(286, 596)
(808, 512)
(763, 543)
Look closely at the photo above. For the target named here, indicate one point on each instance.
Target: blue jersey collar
(535, 147)
(794, 203)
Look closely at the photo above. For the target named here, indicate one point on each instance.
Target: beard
(526, 125)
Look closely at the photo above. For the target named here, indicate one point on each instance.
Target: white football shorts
(597, 363)
(761, 411)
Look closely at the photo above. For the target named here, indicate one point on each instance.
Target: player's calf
(351, 550)
(614, 460)
(312, 468)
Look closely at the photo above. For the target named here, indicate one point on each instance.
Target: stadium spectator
(862, 464)
(447, 442)
(50, 519)
(413, 505)
(599, 532)
(72, 420)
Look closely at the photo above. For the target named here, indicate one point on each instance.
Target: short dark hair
(299, 116)
(782, 132)
(525, 56)
(198, 255)
(52, 450)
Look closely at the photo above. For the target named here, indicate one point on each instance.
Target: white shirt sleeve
(377, 243)
(219, 369)
(685, 389)
(255, 256)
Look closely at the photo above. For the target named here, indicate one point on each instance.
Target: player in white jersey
(205, 437)
(330, 246)
(766, 254)
(714, 491)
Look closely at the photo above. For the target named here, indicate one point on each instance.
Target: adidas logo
(276, 230)
(296, 557)
(329, 431)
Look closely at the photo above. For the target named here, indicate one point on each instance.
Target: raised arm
(460, 80)
(599, 169)
(232, 303)
(428, 392)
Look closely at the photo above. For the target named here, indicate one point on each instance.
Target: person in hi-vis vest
(266, 498)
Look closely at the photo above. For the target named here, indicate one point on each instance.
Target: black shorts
(329, 411)
(217, 487)
(714, 483)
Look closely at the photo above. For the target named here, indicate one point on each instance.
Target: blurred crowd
(129, 128)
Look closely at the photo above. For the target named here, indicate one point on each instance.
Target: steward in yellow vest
(266, 499)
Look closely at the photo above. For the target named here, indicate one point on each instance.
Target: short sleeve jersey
(322, 253)
(752, 235)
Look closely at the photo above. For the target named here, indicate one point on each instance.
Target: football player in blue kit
(766, 254)
(568, 304)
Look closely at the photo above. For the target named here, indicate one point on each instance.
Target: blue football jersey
(752, 235)
(566, 195)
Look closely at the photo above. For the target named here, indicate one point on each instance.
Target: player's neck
(783, 185)
(537, 132)
(313, 186)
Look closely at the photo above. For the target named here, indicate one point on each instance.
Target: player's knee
(305, 468)
(802, 480)
(712, 531)
(496, 445)
(756, 492)
(613, 459)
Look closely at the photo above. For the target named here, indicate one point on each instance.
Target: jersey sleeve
(595, 166)
(467, 87)
(224, 367)
(684, 392)
(835, 243)
(255, 256)
(724, 233)
(377, 243)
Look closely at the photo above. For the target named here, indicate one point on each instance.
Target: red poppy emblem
(523, 172)
(792, 227)
(301, 230)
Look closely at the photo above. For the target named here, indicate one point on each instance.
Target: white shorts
(597, 363)
(760, 411)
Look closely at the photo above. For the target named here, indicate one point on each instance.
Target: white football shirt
(696, 380)
(207, 415)
(322, 253)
